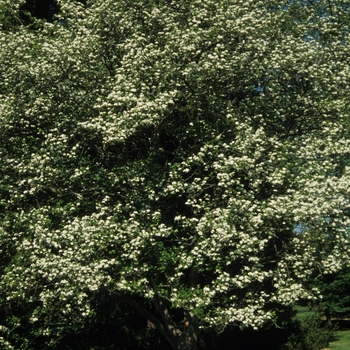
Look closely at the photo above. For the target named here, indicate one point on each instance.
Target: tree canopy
(190, 158)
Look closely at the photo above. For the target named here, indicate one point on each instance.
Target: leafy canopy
(193, 153)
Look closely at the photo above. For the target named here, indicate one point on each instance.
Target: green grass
(342, 341)
(303, 312)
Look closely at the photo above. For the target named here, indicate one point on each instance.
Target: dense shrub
(311, 333)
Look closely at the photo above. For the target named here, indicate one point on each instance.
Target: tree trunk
(185, 339)
(189, 336)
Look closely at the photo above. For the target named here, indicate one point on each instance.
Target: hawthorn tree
(190, 158)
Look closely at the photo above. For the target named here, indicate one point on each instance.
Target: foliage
(113, 325)
(335, 291)
(266, 338)
(191, 158)
(311, 333)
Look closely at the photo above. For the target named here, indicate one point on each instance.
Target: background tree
(334, 288)
(190, 158)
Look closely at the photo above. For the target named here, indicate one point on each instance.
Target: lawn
(303, 312)
(342, 341)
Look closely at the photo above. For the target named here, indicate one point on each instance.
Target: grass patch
(303, 312)
(342, 341)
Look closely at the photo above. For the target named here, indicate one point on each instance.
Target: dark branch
(165, 331)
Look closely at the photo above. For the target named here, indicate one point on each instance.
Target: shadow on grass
(342, 324)
(342, 335)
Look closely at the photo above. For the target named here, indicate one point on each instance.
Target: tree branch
(165, 316)
(165, 331)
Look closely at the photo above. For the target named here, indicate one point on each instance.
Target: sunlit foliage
(192, 153)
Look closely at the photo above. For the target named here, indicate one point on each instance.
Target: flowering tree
(194, 154)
